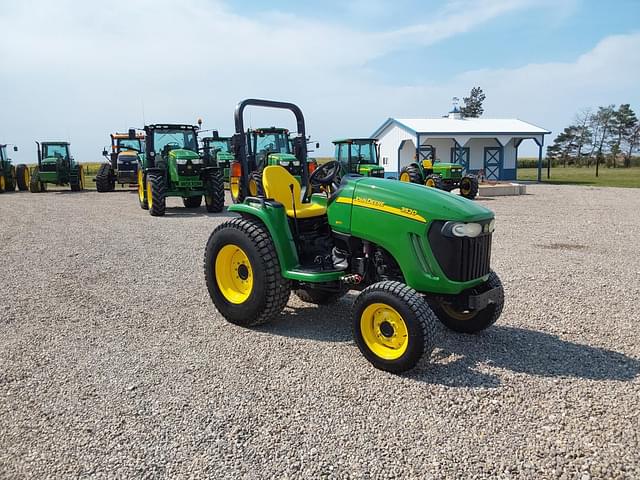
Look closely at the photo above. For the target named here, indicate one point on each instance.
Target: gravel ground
(115, 363)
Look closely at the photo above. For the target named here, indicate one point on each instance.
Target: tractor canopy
(359, 155)
(448, 170)
(52, 151)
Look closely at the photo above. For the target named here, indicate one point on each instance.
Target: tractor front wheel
(411, 173)
(255, 184)
(156, 195)
(23, 177)
(214, 196)
(235, 188)
(243, 274)
(104, 180)
(434, 181)
(11, 180)
(192, 202)
(35, 185)
(142, 191)
(3, 183)
(77, 181)
(469, 187)
(472, 321)
(393, 326)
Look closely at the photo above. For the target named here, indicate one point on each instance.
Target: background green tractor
(56, 166)
(216, 150)
(359, 156)
(170, 166)
(122, 167)
(418, 255)
(444, 176)
(12, 176)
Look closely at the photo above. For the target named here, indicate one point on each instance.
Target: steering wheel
(170, 146)
(325, 176)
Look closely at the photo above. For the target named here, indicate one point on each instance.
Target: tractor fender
(274, 218)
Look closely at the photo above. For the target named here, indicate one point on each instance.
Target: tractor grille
(461, 259)
(189, 169)
(377, 173)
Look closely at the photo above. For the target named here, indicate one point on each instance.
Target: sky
(77, 70)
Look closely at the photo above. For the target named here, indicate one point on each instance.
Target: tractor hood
(366, 169)
(225, 156)
(50, 160)
(276, 158)
(415, 201)
(181, 155)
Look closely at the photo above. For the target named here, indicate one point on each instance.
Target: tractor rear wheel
(242, 272)
(3, 183)
(104, 180)
(23, 177)
(255, 184)
(142, 191)
(214, 196)
(470, 321)
(192, 202)
(319, 297)
(469, 187)
(11, 180)
(35, 185)
(434, 181)
(393, 326)
(411, 173)
(77, 181)
(156, 194)
(235, 188)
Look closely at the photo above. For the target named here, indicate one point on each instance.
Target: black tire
(255, 181)
(319, 297)
(416, 316)
(77, 180)
(469, 187)
(411, 173)
(214, 196)
(472, 322)
(3, 182)
(104, 180)
(23, 177)
(269, 292)
(157, 201)
(11, 180)
(435, 181)
(192, 202)
(142, 189)
(35, 185)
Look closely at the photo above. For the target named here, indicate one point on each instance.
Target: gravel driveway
(115, 363)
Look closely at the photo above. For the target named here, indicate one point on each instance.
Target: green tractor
(359, 156)
(122, 166)
(418, 255)
(444, 176)
(170, 166)
(12, 176)
(56, 165)
(254, 150)
(216, 150)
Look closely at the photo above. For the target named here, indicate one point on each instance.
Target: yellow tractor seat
(427, 164)
(276, 181)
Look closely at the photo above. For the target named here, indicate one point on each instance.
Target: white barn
(482, 145)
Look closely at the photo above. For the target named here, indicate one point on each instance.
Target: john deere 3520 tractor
(172, 167)
(123, 162)
(56, 166)
(445, 176)
(256, 149)
(216, 150)
(418, 255)
(12, 176)
(360, 156)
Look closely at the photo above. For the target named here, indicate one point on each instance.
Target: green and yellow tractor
(260, 148)
(12, 176)
(171, 166)
(57, 166)
(444, 176)
(216, 150)
(122, 166)
(359, 156)
(417, 255)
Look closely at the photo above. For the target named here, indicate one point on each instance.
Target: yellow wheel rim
(384, 331)
(149, 196)
(81, 178)
(27, 176)
(253, 188)
(234, 186)
(404, 177)
(430, 182)
(234, 274)
(465, 187)
(140, 186)
(2, 183)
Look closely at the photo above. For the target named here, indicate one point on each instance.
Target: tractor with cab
(359, 156)
(216, 151)
(416, 255)
(56, 166)
(12, 176)
(440, 175)
(122, 165)
(171, 166)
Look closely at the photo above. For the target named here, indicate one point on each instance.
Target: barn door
(461, 156)
(492, 162)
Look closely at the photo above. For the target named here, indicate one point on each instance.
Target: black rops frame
(240, 139)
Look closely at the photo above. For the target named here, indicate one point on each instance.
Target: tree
(623, 121)
(632, 142)
(473, 103)
(601, 123)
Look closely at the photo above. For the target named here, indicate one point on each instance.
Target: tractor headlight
(492, 225)
(296, 163)
(285, 163)
(471, 230)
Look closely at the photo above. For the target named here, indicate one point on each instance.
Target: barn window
(385, 160)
